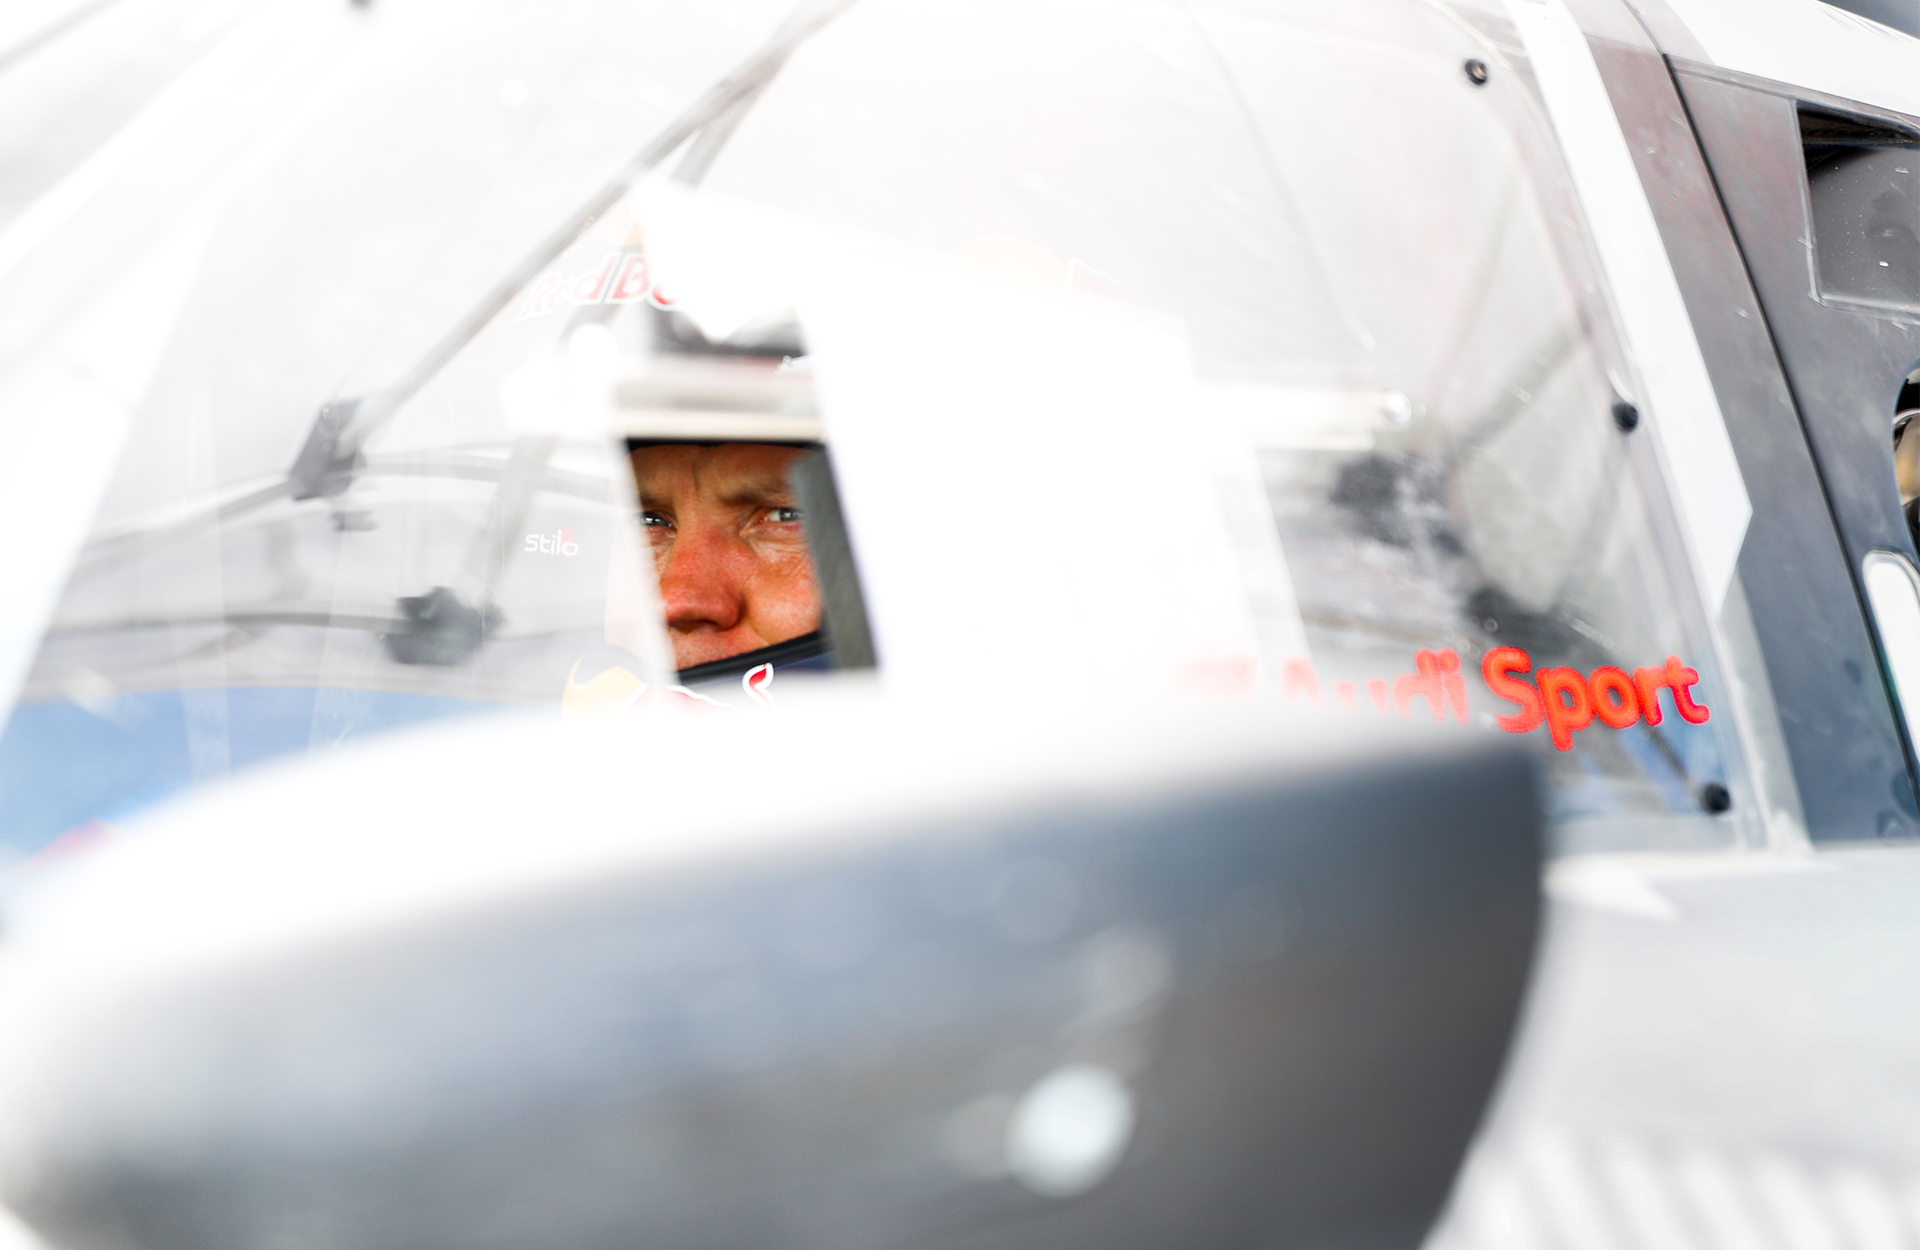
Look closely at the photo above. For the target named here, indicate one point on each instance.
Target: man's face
(728, 547)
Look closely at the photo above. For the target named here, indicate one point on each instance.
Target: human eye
(784, 516)
(652, 520)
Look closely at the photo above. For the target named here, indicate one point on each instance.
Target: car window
(276, 531)
(74, 73)
(1395, 320)
(1090, 357)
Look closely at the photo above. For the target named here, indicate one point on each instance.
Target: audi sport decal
(1568, 701)
(1564, 699)
(1435, 678)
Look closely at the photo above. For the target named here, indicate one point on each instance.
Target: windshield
(1117, 382)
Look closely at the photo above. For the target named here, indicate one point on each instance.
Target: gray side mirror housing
(1265, 1010)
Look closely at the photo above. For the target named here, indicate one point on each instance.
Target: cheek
(784, 594)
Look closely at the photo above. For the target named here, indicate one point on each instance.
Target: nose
(703, 581)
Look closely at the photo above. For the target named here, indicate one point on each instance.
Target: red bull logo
(758, 683)
(616, 278)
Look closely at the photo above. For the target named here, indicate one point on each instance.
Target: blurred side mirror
(1261, 1009)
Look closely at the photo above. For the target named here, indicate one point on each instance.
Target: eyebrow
(767, 490)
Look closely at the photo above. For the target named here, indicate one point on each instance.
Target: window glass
(1894, 596)
(1135, 364)
(73, 73)
(304, 505)
(1393, 314)
(1865, 201)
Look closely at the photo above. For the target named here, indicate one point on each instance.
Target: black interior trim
(805, 647)
(843, 608)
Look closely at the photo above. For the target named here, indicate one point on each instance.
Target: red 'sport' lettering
(1569, 702)
(1564, 692)
(1624, 707)
(1564, 699)
(1682, 679)
(1648, 681)
(1497, 668)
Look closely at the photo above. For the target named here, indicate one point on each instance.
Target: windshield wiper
(330, 457)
